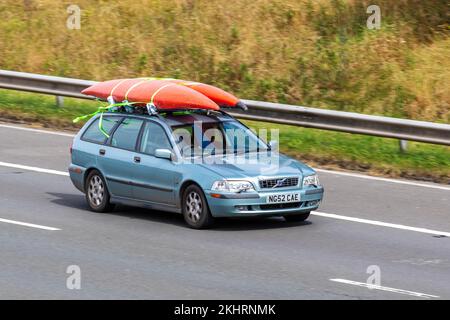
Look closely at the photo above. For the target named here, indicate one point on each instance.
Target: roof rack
(153, 111)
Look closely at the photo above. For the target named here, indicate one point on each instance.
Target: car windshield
(227, 137)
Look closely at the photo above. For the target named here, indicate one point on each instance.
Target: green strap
(100, 126)
(101, 110)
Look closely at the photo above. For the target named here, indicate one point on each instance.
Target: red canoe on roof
(219, 96)
(164, 93)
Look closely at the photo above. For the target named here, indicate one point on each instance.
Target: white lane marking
(394, 290)
(36, 169)
(316, 213)
(55, 133)
(362, 176)
(342, 173)
(31, 225)
(380, 223)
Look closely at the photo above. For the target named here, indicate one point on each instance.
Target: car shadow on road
(77, 201)
(256, 223)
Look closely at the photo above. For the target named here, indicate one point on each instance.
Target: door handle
(102, 152)
(137, 159)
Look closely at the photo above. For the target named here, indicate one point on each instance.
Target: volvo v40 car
(200, 164)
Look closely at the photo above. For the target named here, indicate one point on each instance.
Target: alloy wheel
(96, 191)
(194, 206)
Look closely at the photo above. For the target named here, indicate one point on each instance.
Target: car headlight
(312, 180)
(233, 186)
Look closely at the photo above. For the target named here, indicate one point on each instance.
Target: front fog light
(313, 203)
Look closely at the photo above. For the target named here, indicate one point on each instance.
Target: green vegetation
(42, 110)
(329, 149)
(325, 148)
(316, 53)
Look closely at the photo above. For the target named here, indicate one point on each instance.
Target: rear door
(116, 159)
(155, 178)
(92, 141)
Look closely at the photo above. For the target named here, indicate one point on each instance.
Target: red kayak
(164, 93)
(219, 96)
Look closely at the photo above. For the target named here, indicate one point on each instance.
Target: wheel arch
(86, 174)
(184, 186)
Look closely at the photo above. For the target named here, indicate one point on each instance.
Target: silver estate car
(190, 163)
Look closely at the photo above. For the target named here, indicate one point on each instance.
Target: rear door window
(154, 137)
(126, 134)
(93, 133)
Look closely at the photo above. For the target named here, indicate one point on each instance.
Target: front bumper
(254, 204)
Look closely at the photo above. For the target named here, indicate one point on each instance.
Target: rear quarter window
(93, 133)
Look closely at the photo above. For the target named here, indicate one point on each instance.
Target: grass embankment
(317, 147)
(317, 53)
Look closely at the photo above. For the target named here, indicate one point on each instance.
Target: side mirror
(163, 154)
(273, 144)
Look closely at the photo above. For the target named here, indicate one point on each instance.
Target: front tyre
(97, 194)
(195, 208)
(298, 217)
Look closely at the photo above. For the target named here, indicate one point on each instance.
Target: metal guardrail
(350, 122)
(56, 86)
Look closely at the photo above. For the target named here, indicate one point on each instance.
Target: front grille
(275, 206)
(278, 183)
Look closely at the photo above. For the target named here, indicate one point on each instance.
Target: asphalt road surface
(396, 229)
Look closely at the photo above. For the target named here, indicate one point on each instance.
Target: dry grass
(318, 148)
(315, 53)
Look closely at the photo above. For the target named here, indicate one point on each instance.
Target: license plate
(283, 198)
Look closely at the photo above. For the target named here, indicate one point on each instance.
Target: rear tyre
(299, 217)
(97, 194)
(195, 208)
